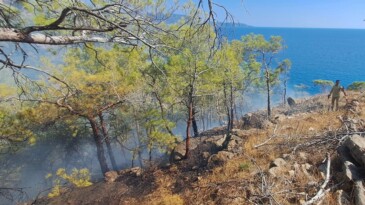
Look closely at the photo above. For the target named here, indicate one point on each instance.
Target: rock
(253, 120)
(342, 197)
(205, 143)
(178, 153)
(351, 172)
(296, 166)
(219, 142)
(239, 133)
(136, 171)
(312, 183)
(323, 169)
(194, 168)
(307, 166)
(286, 156)
(353, 106)
(278, 118)
(275, 171)
(232, 144)
(303, 155)
(110, 176)
(291, 101)
(291, 173)
(278, 162)
(305, 172)
(205, 155)
(235, 144)
(220, 158)
(356, 145)
(359, 193)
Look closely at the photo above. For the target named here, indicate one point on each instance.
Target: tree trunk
(140, 159)
(268, 93)
(230, 114)
(188, 125)
(99, 146)
(195, 125)
(284, 94)
(150, 155)
(107, 142)
(231, 104)
(163, 114)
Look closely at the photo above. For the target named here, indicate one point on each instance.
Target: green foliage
(323, 84)
(243, 167)
(16, 125)
(320, 82)
(265, 52)
(95, 81)
(357, 85)
(78, 177)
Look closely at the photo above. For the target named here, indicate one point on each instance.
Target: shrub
(357, 86)
(79, 178)
(243, 167)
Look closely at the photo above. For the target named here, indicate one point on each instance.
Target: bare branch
(14, 36)
(321, 192)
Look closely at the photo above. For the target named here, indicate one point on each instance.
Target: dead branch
(266, 141)
(321, 193)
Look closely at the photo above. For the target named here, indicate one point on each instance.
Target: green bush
(357, 86)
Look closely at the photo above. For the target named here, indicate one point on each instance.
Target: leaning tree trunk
(107, 142)
(99, 146)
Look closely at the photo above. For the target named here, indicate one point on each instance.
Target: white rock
(278, 162)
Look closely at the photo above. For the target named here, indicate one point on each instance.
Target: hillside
(281, 161)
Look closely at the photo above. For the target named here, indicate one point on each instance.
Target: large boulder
(278, 162)
(219, 159)
(291, 102)
(253, 120)
(204, 144)
(356, 145)
(111, 176)
(235, 145)
(135, 171)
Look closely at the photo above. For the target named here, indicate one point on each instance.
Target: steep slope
(282, 162)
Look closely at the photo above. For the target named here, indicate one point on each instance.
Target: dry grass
(240, 177)
(245, 179)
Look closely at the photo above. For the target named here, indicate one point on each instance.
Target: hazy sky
(298, 13)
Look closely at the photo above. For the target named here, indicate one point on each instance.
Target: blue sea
(328, 54)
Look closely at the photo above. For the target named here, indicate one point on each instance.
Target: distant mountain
(236, 24)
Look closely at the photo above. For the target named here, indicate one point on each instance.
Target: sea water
(328, 54)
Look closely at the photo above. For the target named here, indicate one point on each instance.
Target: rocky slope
(305, 154)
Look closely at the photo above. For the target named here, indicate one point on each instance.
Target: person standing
(335, 92)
